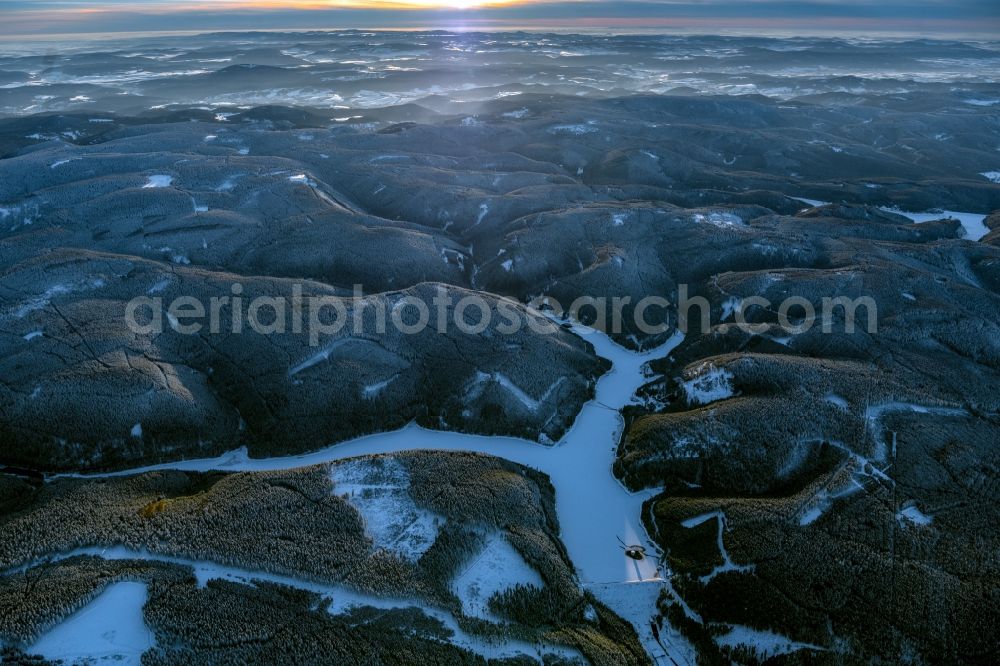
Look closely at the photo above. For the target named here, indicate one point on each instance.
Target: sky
(22, 18)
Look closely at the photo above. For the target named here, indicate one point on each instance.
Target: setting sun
(353, 4)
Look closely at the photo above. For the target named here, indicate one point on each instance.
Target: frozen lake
(596, 512)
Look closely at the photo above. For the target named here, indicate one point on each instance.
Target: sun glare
(369, 4)
(451, 4)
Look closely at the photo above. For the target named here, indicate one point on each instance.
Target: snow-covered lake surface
(109, 629)
(595, 510)
(972, 223)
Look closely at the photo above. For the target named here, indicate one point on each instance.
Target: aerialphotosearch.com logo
(323, 316)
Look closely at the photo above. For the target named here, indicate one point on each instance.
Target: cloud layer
(33, 17)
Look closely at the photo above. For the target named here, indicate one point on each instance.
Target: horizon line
(584, 27)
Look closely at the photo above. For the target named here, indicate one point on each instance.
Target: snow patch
(730, 306)
(302, 179)
(379, 488)
(483, 209)
(914, 515)
(811, 514)
(373, 390)
(875, 412)
(835, 399)
(824, 499)
(636, 604)
(719, 219)
(484, 378)
(324, 353)
(42, 300)
(110, 629)
(695, 521)
(572, 129)
(518, 113)
(497, 567)
(158, 181)
(59, 163)
(709, 386)
(159, 286)
(228, 184)
(767, 644)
